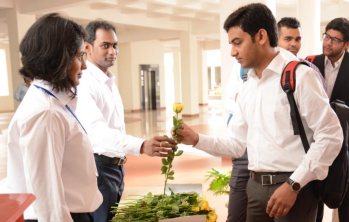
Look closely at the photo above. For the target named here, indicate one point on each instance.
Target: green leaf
(170, 178)
(174, 121)
(164, 169)
(172, 193)
(171, 173)
(175, 209)
(219, 185)
(180, 152)
(164, 162)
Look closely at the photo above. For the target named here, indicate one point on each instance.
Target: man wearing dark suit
(334, 66)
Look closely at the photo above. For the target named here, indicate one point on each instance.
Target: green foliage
(220, 182)
(152, 208)
(167, 162)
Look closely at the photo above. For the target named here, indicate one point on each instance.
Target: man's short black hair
(288, 22)
(93, 26)
(48, 50)
(251, 18)
(341, 25)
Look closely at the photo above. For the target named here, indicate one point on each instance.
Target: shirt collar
(337, 63)
(278, 63)
(63, 97)
(99, 74)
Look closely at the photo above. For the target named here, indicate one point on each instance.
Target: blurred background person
(22, 89)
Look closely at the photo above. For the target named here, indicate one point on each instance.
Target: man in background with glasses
(334, 66)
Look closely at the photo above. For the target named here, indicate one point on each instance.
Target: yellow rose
(178, 107)
(205, 206)
(195, 209)
(211, 217)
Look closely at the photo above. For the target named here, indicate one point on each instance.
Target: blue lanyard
(48, 92)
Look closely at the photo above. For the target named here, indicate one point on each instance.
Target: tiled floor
(143, 173)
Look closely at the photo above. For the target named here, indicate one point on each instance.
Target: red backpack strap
(310, 58)
(288, 77)
(288, 84)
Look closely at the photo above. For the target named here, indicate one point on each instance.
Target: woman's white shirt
(50, 155)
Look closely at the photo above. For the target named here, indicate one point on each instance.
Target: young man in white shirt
(101, 111)
(334, 66)
(281, 173)
(290, 38)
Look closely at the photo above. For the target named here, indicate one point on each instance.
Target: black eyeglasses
(334, 40)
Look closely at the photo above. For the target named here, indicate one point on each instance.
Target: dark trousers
(111, 185)
(77, 217)
(237, 207)
(343, 210)
(303, 210)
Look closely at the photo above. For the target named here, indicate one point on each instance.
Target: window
(4, 91)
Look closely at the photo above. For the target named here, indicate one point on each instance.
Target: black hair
(289, 22)
(251, 18)
(341, 25)
(93, 26)
(48, 49)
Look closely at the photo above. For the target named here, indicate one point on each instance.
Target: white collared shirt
(262, 123)
(50, 156)
(331, 73)
(101, 111)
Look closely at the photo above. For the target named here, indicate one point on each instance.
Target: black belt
(269, 178)
(115, 160)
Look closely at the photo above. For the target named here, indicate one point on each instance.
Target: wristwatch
(295, 186)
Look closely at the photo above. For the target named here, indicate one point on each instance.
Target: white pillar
(189, 74)
(177, 76)
(272, 6)
(228, 63)
(202, 76)
(310, 25)
(18, 25)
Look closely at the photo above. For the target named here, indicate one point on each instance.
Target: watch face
(296, 186)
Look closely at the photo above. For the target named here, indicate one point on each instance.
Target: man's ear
(262, 37)
(88, 48)
(346, 45)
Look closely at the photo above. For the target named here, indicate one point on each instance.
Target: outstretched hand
(158, 146)
(186, 135)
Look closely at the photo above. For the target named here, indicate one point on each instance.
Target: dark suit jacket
(341, 86)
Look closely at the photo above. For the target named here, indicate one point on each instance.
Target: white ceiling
(138, 20)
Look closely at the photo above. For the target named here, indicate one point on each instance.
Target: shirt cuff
(134, 146)
(203, 142)
(302, 176)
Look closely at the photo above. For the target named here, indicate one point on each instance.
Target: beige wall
(125, 75)
(7, 102)
(131, 56)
